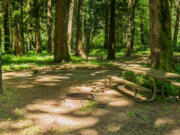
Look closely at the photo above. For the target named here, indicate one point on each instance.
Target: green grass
(30, 60)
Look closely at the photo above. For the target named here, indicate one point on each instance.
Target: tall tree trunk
(70, 22)
(112, 40)
(106, 31)
(87, 27)
(1, 89)
(79, 44)
(22, 27)
(176, 25)
(7, 44)
(131, 27)
(29, 25)
(61, 53)
(38, 27)
(49, 26)
(160, 35)
(18, 39)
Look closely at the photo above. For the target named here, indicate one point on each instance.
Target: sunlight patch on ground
(120, 102)
(113, 127)
(174, 132)
(162, 121)
(89, 132)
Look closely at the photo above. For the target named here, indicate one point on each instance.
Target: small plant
(130, 114)
(90, 106)
(34, 130)
(18, 113)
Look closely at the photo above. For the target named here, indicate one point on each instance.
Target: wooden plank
(156, 74)
(129, 84)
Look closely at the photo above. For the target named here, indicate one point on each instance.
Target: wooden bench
(153, 74)
(133, 86)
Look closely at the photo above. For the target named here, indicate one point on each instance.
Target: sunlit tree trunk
(160, 35)
(176, 25)
(38, 27)
(61, 53)
(112, 40)
(79, 44)
(7, 44)
(70, 24)
(49, 26)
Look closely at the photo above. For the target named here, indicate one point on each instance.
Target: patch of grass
(90, 106)
(130, 114)
(34, 130)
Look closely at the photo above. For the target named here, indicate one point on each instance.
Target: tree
(79, 44)
(176, 25)
(7, 44)
(112, 40)
(1, 89)
(106, 30)
(49, 26)
(131, 26)
(160, 35)
(70, 23)
(61, 53)
(22, 28)
(38, 27)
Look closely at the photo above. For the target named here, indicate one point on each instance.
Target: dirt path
(35, 104)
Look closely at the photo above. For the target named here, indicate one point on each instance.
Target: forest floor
(35, 104)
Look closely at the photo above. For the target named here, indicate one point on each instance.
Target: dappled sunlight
(89, 132)
(46, 107)
(162, 121)
(174, 132)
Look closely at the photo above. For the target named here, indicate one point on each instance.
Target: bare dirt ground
(35, 104)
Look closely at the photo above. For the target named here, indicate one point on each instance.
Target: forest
(89, 67)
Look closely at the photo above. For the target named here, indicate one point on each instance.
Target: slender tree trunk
(176, 25)
(49, 26)
(61, 53)
(79, 44)
(29, 25)
(131, 27)
(106, 31)
(38, 27)
(160, 35)
(7, 44)
(22, 28)
(70, 23)
(1, 88)
(112, 40)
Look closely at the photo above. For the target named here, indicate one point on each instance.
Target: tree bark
(79, 44)
(38, 27)
(49, 26)
(176, 29)
(160, 35)
(22, 28)
(29, 26)
(61, 53)
(106, 31)
(1, 88)
(70, 22)
(7, 44)
(18, 39)
(131, 27)
(112, 40)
